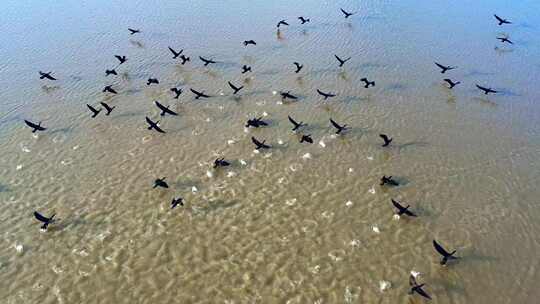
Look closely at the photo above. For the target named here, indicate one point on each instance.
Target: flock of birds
(257, 122)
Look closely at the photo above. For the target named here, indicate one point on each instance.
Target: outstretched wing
(397, 205)
(335, 124)
(384, 137)
(40, 217)
(440, 249)
(293, 121)
(421, 292)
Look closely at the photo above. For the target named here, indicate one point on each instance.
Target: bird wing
(339, 59)
(397, 205)
(40, 217)
(384, 137)
(255, 141)
(157, 128)
(335, 124)
(293, 121)
(92, 108)
(173, 51)
(106, 106)
(440, 65)
(421, 292)
(343, 11)
(498, 18)
(150, 122)
(481, 88)
(31, 124)
(412, 281)
(440, 249)
(409, 213)
(232, 86)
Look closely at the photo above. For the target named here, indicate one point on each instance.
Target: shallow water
(295, 224)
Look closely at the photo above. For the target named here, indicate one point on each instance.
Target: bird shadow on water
(50, 89)
(137, 44)
(485, 101)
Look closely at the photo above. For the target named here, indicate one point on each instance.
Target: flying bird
(206, 61)
(287, 94)
(235, 88)
(259, 145)
(325, 95)
(35, 127)
(298, 67)
(387, 140)
(132, 31)
(175, 53)
(160, 182)
(282, 22)
(248, 42)
(122, 59)
(444, 68)
(402, 210)
(221, 162)
(297, 125)
(487, 90)
(164, 109)
(45, 220)
(501, 20)
(342, 61)
(338, 127)
(184, 59)
(446, 256)
(246, 69)
(199, 94)
(306, 138)
(347, 14)
(387, 180)
(303, 20)
(367, 83)
(43, 75)
(109, 89)
(110, 72)
(451, 83)
(177, 201)
(505, 39)
(417, 288)
(256, 123)
(153, 125)
(107, 108)
(95, 112)
(152, 80)
(176, 91)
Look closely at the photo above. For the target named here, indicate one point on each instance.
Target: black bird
(402, 210)
(153, 125)
(109, 89)
(338, 127)
(501, 20)
(184, 59)
(199, 94)
(505, 39)
(177, 201)
(260, 145)
(45, 220)
(43, 75)
(110, 72)
(367, 83)
(107, 108)
(246, 69)
(35, 127)
(248, 42)
(152, 80)
(177, 92)
(160, 182)
(444, 68)
(487, 90)
(386, 139)
(341, 61)
(415, 287)
(122, 59)
(325, 95)
(298, 67)
(175, 53)
(164, 109)
(297, 125)
(306, 138)
(221, 162)
(388, 181)
(445, 255)
(206, 61)
(303, 20)
(94, 110)
(282, 22)
(451, 83)
(347, 14)
(256, 122)
(134, 31)
(287, 94)
(235, 89)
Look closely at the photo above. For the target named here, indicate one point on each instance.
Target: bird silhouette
(43, 75)
(338, 127)
(417, 288)
(296, 125)
(446, 256)
(444, 68)
(387, 180)
(221, 162)
(175, 53)
(184, 59)
(402, 210)
(282, 22)
(298, 67)
(177, 201)
(176, 91)
(199, 94)
(367, 83)
(235, 88)
(342, 61)
(325, 95)
(164, 110)
(256, 123)
(95, 112)
(501, 20)
(43, 219)
(35, 127)
(386, 139)
(160, 182)
(110, 72)
(132, 31)
(206, 61)
(246, 69)
(306, 138)
(259, 145)
(152, 80)
(303, 20)
(347, 14)
(122, 59)
(107, 108)
(248, 42)
(451, 83)
(285, 95)
(487, 90)
(505, 39)
(153, 125)
(109, 89)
